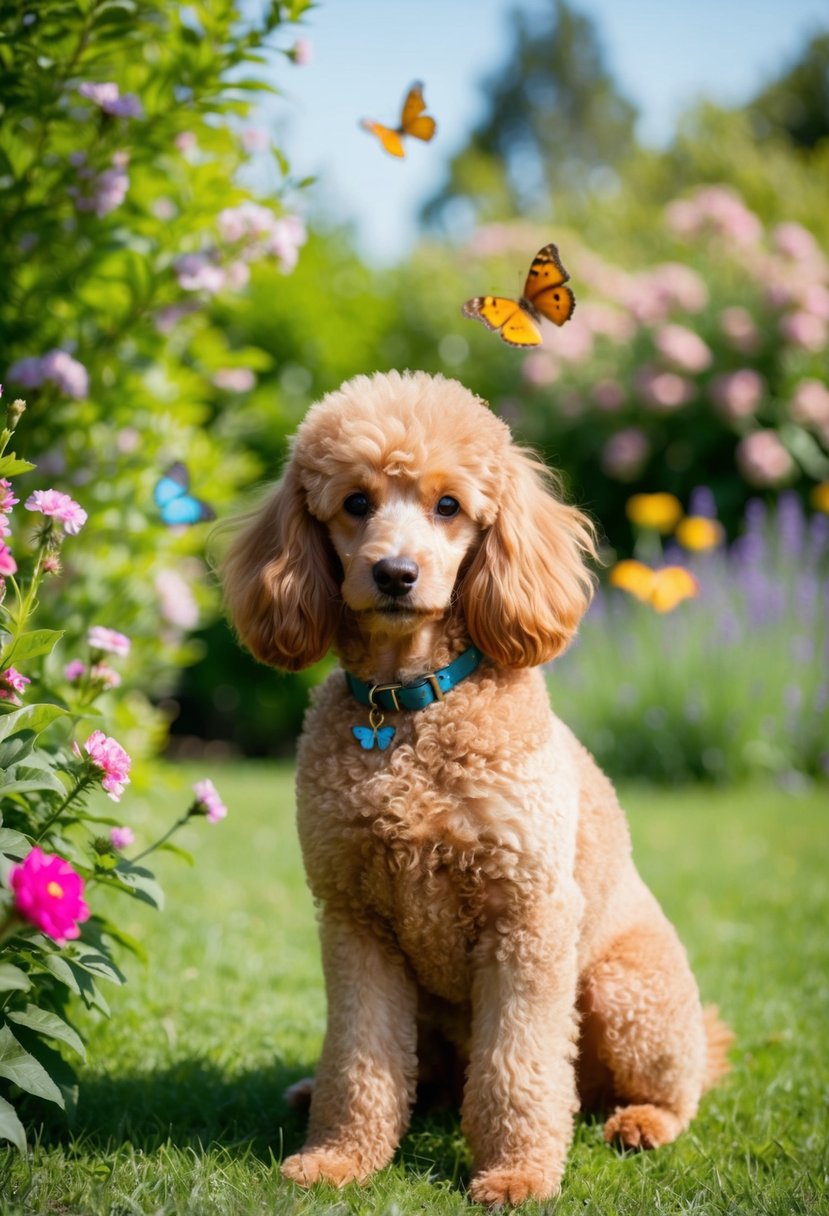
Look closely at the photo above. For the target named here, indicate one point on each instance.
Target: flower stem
(82, 784)
(161, 840)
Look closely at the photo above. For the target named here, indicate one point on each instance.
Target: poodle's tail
(720, 1037)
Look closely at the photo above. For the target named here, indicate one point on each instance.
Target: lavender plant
(731, 684)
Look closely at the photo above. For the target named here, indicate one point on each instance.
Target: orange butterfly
(544, 296)
(413, 122)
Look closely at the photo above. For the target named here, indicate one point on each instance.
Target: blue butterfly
(367, 736)
(176, 504)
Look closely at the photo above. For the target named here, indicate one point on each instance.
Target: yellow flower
(820, 497)
(634, 577)
(697, 532)
(662, 589)
(660, 511)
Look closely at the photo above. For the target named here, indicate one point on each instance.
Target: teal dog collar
(430, 688)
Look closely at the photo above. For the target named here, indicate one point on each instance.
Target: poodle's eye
(357, 504)
(447, 506)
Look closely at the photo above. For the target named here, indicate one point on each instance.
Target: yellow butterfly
(413, 122)
(544, 296)
(663, 589)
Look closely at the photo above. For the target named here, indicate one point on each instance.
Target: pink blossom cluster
(763, 460)
(809, 405)
(626, 453)
(260, 233)
(108, 97)
(715, 209)
(121, 837)
(108, 640)
(100, 192)
(7, 500)
(12, 684)
(234, 379)
(208, 802)
(101, 640)
(49, 894)
(55, 367)
(58, 506)
(658, 291)
(738, 394)
(683, 348)
(662, 391)
(106, 754)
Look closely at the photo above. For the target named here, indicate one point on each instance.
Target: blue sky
(665, 54)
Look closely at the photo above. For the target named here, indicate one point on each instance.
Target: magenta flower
(121, 838)
(58, 506)
(49, 893)
(7, 498)
(13, 682)
(7, 563)
(208, 801)
(110, 757)
(109, 640)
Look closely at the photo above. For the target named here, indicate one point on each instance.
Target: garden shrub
(56, 854)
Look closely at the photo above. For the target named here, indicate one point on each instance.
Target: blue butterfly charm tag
(375, 732)
(367, 736)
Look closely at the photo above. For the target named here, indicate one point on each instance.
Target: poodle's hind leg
(648, 1030)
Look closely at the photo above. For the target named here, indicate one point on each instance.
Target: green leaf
(50, 1025)
(61, 970)
(16, 748)
(99, 965)
(141, 882)
(10, 466)
(30, 645)
(10, 1126)
(18, 1066)
(15, 844)
(22, 780)
(12, 979)
(30, 717)
(177, 851)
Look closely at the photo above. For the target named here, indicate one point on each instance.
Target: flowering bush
(735, 682)
(55, 853)
(122, 145)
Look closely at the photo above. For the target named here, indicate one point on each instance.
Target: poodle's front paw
(644, 1126)
(504, 1185)
(323, 1165)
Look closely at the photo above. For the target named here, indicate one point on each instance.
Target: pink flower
(663, 391)
(14, 683)
(186, 142)
(106, 676)
(109, 640)
(208, 801)
(682, 347)
(107, 96)
(608, 395)
(540, 368)
(110, 757)
(74, 670)
(810, 403)
(804, 329)
(739, 328)
(287, 235)
(58, 506)
(301, 52)
(7, 563)
(737, 394)
(795, 241)
(49, 893)
(121, 838)
(255, 139)
(108, 191)
(7, 499)
(625, 454)
(234, 379)
(197, 272)
(176, 601)
(763, 460)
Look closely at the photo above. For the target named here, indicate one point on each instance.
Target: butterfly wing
(545, 288)
(413, 120)
(174, 483)
(507, 317)
(364, 736)
(389, 139)
(186, 510)
(385, 734)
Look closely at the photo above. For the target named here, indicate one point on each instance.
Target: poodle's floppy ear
(279, 580)
(528, 587)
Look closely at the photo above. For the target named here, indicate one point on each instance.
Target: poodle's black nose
(395, 575)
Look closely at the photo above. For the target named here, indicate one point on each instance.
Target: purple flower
(58, 366)
(197, 272)
(107, 96)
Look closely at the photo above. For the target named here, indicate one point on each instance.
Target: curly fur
(481, 916)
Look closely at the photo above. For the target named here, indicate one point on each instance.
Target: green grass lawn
(181, 1107)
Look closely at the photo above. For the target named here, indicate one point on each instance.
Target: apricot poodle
(480, 910)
